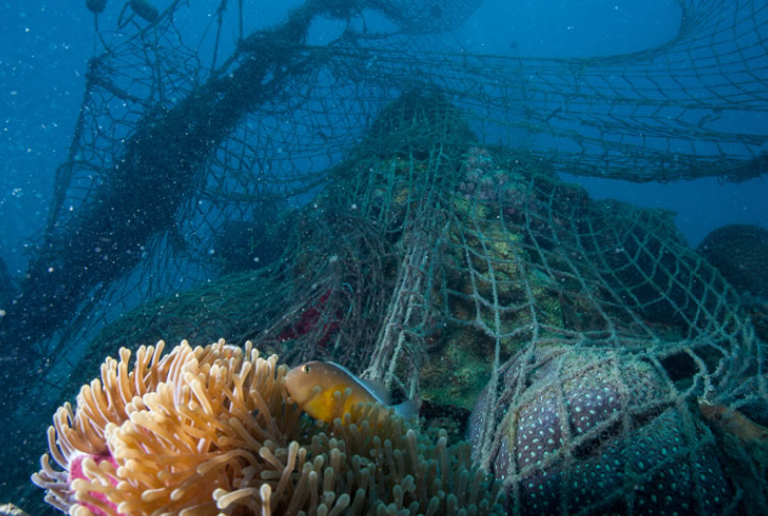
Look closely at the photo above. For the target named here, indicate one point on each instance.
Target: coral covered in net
(415, 250)
(740, 252)
(601, 432)
(211, 431)
(445, 267)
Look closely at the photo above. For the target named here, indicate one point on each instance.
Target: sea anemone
(212, 431)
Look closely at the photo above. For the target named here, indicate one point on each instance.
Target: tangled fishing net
(423, 238)
(600, 347)
(212, 431)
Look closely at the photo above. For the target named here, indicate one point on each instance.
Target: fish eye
(305, 369)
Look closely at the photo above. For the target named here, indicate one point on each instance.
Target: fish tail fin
(407, 409)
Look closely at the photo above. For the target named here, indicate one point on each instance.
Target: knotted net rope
(414, 192)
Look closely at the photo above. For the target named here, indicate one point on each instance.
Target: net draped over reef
(393, 204)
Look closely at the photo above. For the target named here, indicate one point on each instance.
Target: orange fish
(313, 384)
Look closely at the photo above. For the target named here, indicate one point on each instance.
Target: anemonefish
(312, 385)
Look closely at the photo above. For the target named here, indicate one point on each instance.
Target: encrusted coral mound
(595, 432)
(210, 431)
(740, 251)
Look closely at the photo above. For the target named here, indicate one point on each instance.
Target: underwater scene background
(543, 228)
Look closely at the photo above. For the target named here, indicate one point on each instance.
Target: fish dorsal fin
(375, 389)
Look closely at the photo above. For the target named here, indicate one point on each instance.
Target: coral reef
(211, 431)
(599, 432)
(740, 252)
(446, 269)
(458, 368)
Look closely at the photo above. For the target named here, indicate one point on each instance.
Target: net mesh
(453, 272)
(394, 205)
(171, 145)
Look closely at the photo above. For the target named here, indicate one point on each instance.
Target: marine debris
(482, 276)
(429, 242)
